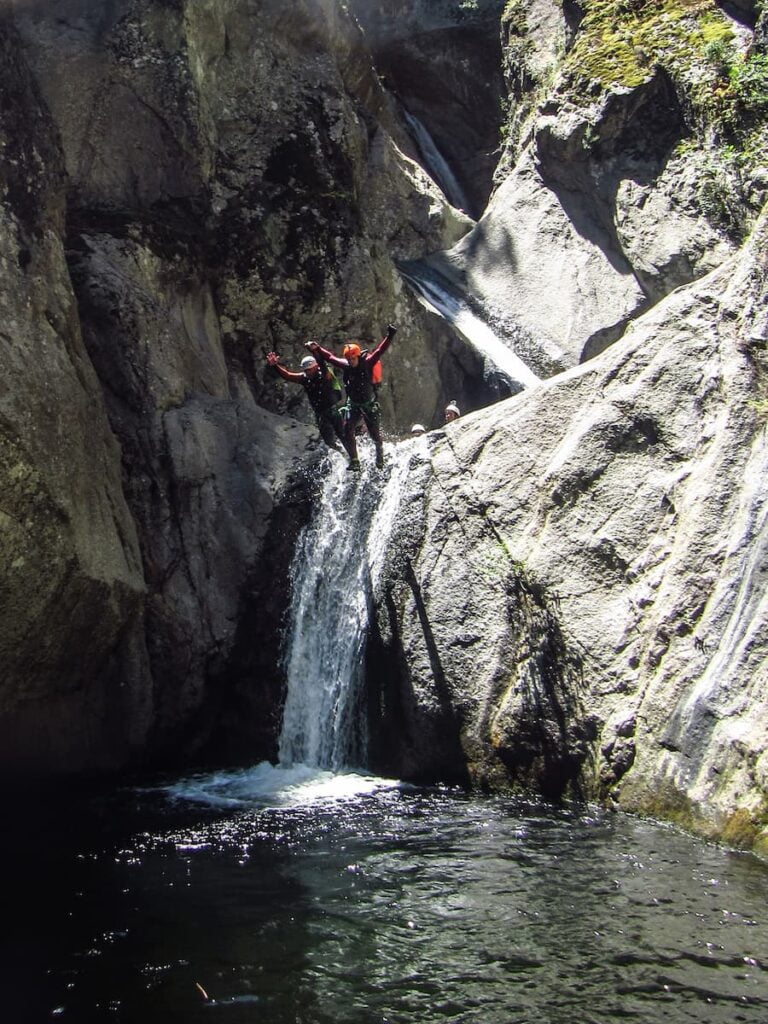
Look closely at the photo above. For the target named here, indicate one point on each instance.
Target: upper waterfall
(436, 164)
(435, 296)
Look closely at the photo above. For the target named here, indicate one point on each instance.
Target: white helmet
(307, 362)
(417, 428)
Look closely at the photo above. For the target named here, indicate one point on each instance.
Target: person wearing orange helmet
(358, 370)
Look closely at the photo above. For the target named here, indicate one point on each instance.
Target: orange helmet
(351, 350)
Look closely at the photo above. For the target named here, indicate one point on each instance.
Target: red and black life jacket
(362, 381)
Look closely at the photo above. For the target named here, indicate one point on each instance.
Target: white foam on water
(268, 785)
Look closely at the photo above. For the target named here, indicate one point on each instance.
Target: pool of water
(298, 897)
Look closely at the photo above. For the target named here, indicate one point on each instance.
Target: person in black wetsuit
(324, 394)
(358, 370)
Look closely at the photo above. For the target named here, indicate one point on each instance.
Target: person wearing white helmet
(323, 390)
(451, 412)
(418, 429)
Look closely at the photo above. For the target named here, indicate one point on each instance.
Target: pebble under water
(274, 896)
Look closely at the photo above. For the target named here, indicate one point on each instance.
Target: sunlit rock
(583, 606)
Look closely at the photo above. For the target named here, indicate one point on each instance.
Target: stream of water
(334, 576)
(499, 357)
(435, 163)
(311, 892)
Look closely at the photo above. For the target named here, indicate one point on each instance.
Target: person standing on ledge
(324, 394)
(358, 371)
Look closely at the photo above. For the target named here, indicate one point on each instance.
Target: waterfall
(437, 298)
(334, 576)
(435, 164)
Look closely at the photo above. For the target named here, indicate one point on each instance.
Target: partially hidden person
(358, 369)
(451, 412)
(323, 389)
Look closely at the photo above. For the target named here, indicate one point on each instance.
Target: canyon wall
(184, 186)
(574, 595)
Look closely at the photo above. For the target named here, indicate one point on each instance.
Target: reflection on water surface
(293, 896)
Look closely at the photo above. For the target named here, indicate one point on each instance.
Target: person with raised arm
(359, 373)
(323, 390)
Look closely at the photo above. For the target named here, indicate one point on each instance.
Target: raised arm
(381, 348)
(274, 360)
(319, 352)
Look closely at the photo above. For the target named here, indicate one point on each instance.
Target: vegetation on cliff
(719, 71)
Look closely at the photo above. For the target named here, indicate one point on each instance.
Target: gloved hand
(391, 330)
(311, 345)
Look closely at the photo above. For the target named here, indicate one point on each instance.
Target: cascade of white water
(436, 164)
(334, 576)
(475, 330)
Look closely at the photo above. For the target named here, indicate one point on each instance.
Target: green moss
(514, 15)
(620, 42)
(760, 845)
(624, 43)
(714, 30)
(741, 830)
(663, 801)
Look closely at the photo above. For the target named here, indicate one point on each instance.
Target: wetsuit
(361, 395)
(324, 394)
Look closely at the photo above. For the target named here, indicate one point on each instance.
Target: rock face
(72, 590)
(612, 190)
(186, 185)
(584, 607)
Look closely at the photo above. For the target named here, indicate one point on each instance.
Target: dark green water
(393, 905)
